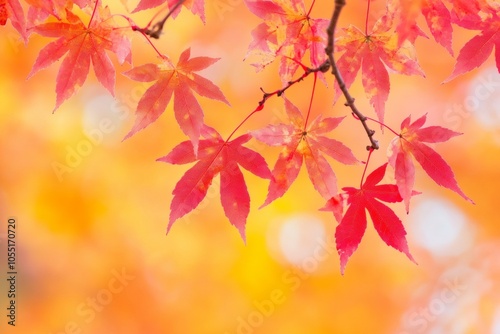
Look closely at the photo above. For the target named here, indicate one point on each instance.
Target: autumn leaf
(287, 31)
(4, 12)
(477, 50)
(197, 7)
(437, 17)
(82, 44)
(411, 143)
(335, 205)
(179, 81)
(352, 227)
(301, 142)
(12, 9)
(371, 53)
(214, 157)
(39, 10)
(468, 8)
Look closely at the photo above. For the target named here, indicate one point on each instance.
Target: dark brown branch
(321, 68)
(339, 4)
(157, 28)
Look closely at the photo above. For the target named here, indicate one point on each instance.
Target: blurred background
(92, 211)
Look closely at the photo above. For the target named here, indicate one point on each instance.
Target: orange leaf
(372, 52)
(180, 82)
(83, 45)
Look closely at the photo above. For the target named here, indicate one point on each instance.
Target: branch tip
(349, 99)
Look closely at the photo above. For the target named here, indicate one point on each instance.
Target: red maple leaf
(436, 15)
(197, 7)
(179, 81)
(12, 9)
(464, 8)
(478, 49)
(304, 143)
(352, 227)
(214, 157)
(336, 205)
(372, 52)
(287, 31)
(4, 12)
(39, 10)
(83, 44)
(411, 142)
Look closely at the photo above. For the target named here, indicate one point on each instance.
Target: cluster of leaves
(85, 29)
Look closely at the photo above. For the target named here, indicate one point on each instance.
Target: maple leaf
(178, 81)
(39, 10)
(12, 9)
(304, 143)
(352, 227)
(411, 142)
(197, 7)
(287, 31)
(477, 50)
(336, 205)
(464, 8)
(83, 44)
(214, 157)
(372, 52)
(436, 15)
(407, 13)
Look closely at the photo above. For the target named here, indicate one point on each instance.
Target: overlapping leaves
(307, 143)
(82, 44)
(372, 53)
(197, 7)
(485, 18)
(287, 31)
(13, 11)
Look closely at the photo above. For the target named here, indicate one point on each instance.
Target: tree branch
(157, 28)
(339, 4)
(321, 68)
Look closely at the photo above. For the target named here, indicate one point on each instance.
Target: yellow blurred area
(92, 211)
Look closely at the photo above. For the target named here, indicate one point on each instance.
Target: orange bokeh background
(91, 247)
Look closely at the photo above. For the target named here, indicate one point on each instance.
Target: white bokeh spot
(299, 237)
(440, 227)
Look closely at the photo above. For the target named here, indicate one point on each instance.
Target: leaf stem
(367, 15)
(239, 126)
(154, 47)
(157, 14)
(129, 20)
(339, 4)
(311, 101)
(383, 124)
(370, 151)
(93, 13)
(310, 8)
(378, 122)
(322, 68)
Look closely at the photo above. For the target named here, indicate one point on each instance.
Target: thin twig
(157, 28)
(339, 4)
(321, 68)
